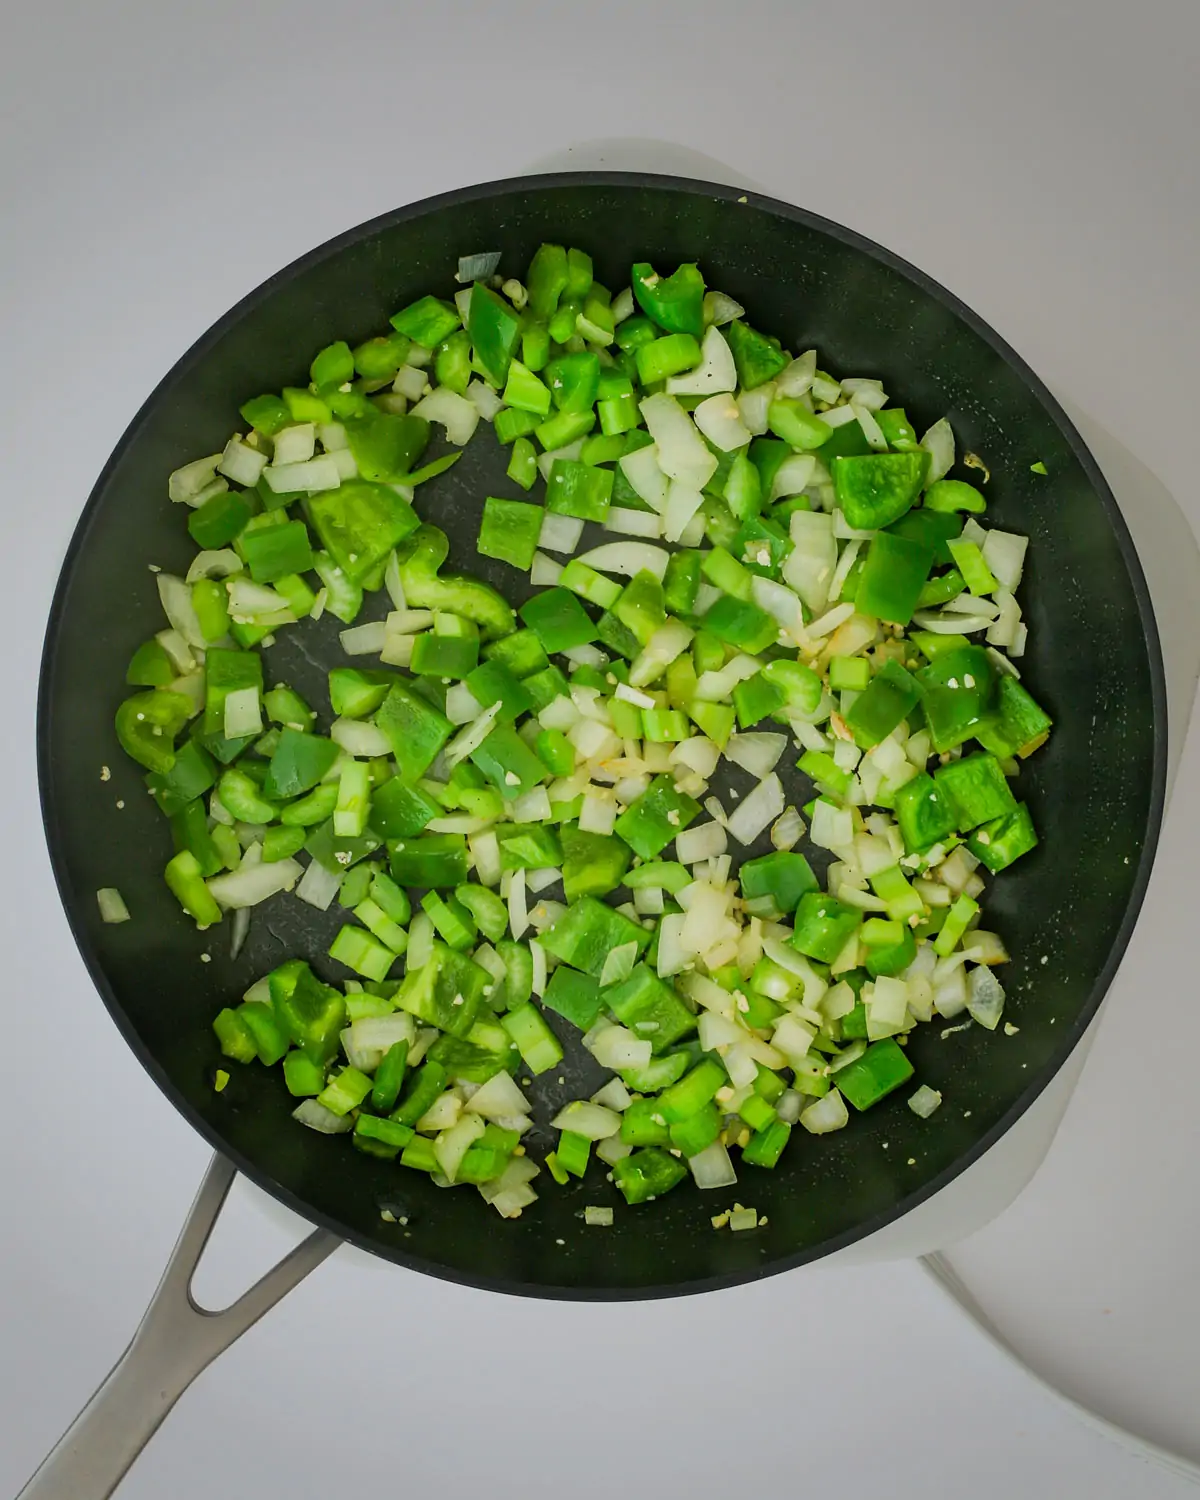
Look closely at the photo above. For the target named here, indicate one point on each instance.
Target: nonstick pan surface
(1096, 790)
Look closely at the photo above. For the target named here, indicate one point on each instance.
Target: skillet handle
(175, 1341)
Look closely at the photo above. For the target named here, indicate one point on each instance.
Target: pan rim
(1072, 1035)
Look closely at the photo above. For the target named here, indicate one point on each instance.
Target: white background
(157, 161)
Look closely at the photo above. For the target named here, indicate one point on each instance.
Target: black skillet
(1067, 910)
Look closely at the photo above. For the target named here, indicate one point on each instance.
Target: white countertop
(160, 161)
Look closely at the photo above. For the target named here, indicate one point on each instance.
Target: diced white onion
(112, 905)
(924, 1101)
(214, 564)
(176, 599)
(518, 916)
(411, 382)
(826, 1114)
(720, 309)
(985, 999)
(756, 812)
(719, 418)
(497, 1098)
(455, 413)
(186, 483)
(667, 642)
(797, 378)
(682, 504)
(360, 738)
(250, 884)
(473, 735)
(618, 964)
(938, 442)
(479, 267)
(241, 463)
(704, 841)
(615, 1047)
(243, 713)
(547, 460)
(1004, 553)
(627, 559)
(545, 572)
(793, 477)
(830, 621)
(715, 372)
(364, 640)
(757, 753)
(590, 1120)
(780, 603)
(484, 399)
(485, 850)
(625, 522)
(318, 886)
(318, 1118)
(787, 830)
(682, 452)
(646, 478)
(461, 704)
(560, 533)
(754, 406)
(317, 474)
(950, 624)
(712, 1168)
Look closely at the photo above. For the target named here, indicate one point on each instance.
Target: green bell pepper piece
(185, 878)
(875, 489)
(311, 1013)
(266, 414)
(219, 521)
(270, 1041)
(587, 932)
(758, 358)
(433, 859)
(416, 729)
(359, 523)
(450, 656)
(494, 326)
(558, 620)
(950, 495)
(418, 560)
(578, 489)
(742, 624)
(574, 996)
(892, 578)
(353, 694)
(783, 877)
(427, 321)
(789, 419)
(573, 381)
(522, 464)
(150, 666)
(646, 1175)
(976, 788)
(652, 821)
(1005, 839)
(1017, 725)
(546, 279)
(300, 761)
(592, 863)
(508, 762)
(957, 689)
(681, 582)
(925, 815)
(525, 391)
(234, 1037)
(650, 1008)
(888, 699)
(871, 1077)
(824, 926)
(190, 777)
(674, 302)
(148, 723)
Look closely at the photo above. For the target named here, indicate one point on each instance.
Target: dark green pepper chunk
(674, 302)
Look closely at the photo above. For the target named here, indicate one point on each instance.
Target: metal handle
(175, 1341)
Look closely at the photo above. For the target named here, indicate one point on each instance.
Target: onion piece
(560, 533)
(364, 640)
(985, 998)
(473, 735)
(112, 905)
(479, 267)
(1004, 553)
(702, 841)
(359, 738)
(618, 964)
(311, 476)
(616, 1047)
(754, 405)
(826, 1114)
(757, 753)
(719, 309)
(712, 1168)
(545, 572)
(682, 504)
(668, 642)
(640, 523)
(455, 413)
(250, 884)
(793, 477)
(682, 452)
(950, 624)
(756, 812)
(547, 460)
(715, 372)
(214, 564)
(720, 420)
(318, 886)
(780, 603)
(496, 1098)
(243, 713)
(797, 378)
(462, 705)
(176, 599)
(186, 484)
(787, 830)
(938, 442)
(645, 477)
(627, 558)
(317, 1117)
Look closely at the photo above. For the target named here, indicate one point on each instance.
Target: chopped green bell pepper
(758, 357)
(651, 822)
(674, 302)
(871, 1077)
(875, 489)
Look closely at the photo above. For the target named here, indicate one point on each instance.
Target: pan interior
(1095, 790)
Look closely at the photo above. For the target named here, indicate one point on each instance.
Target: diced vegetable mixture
(516, 807)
